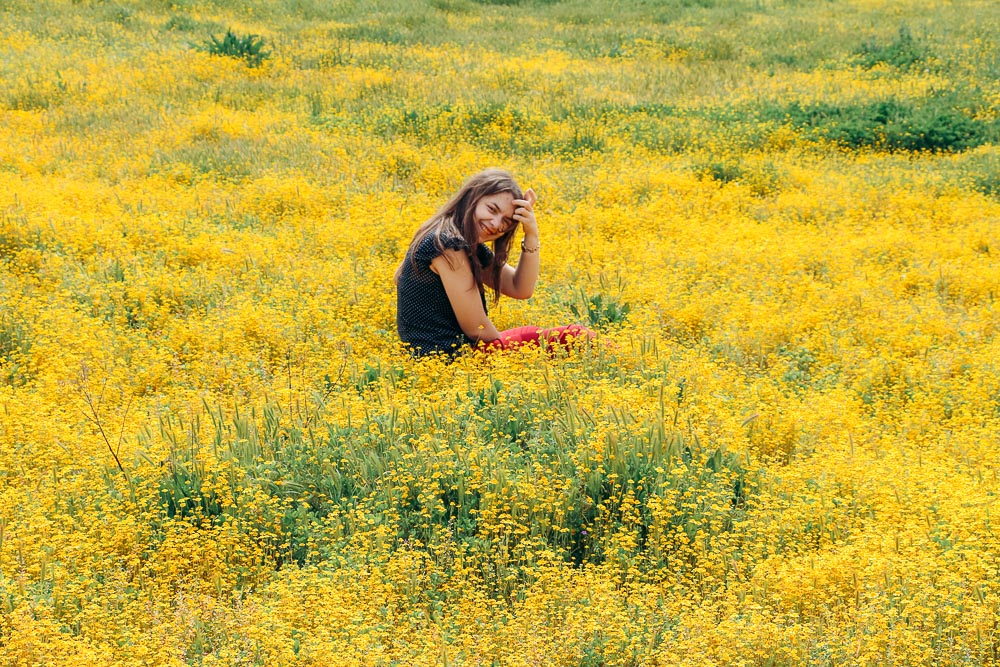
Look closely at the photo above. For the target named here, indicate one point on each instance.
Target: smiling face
(494, 216)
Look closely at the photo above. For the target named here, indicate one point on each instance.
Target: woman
(440, 296)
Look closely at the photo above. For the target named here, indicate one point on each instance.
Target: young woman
(440, 297)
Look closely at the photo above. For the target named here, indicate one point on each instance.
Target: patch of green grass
(762, 178)
(180, 23)
(288, 476)
(501, 128)
(35, 94)
(223, 158)
(15, 343)
(723, 171)
(603, 308)
(982, 172)
(903, 51)
(939, 123)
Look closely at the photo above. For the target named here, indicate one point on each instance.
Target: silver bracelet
(535, 249)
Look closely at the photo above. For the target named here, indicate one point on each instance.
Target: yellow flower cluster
(780, 450)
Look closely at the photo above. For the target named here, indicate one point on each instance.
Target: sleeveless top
(425, 319)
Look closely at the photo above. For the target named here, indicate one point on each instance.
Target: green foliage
(722, 171)
(762, 179)
(15, 343)
(249, 48)
(115, 271)
(180, 23)
(981, 171)
(715, 48)
(13, 234)
(35, 94)
(255, 478)
(122, 15)
(799, 365)
(221, 158)
(372, 374)
(946, 121)
(467, 474)
(600, 310)
(938, 123)
(665, 130)
(904, 51)
(373, 32)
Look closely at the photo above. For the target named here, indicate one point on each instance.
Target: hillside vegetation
(781, 216)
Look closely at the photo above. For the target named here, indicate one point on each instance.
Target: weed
(249, 48)
(601, 310)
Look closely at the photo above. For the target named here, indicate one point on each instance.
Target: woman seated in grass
(440, 296)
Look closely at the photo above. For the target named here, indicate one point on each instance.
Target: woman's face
(494, 216)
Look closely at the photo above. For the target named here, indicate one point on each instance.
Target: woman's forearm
(528, 267)
(484, 331)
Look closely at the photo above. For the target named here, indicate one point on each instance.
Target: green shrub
(719, 170)
(938, 123)
(247, 47)
(902, 52)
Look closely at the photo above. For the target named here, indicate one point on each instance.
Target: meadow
(781, 216)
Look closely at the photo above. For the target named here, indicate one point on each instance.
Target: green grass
(943, 122)
(371, 470)
(15, 344)
(903, 51)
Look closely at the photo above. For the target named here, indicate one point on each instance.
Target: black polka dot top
(424, 317)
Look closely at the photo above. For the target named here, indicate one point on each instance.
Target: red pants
(514, 338)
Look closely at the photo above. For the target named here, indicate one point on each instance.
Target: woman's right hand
(524, 213)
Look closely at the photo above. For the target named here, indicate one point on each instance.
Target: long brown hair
(457, 218)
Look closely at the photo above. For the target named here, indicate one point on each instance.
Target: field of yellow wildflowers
(783, 217)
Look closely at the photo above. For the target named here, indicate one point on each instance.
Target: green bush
(902, 52)
(247, 47)
(939, 123)
(719, 170)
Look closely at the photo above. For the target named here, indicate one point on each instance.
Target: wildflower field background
(781, 215)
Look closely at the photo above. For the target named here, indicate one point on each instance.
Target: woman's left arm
(519, 283)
